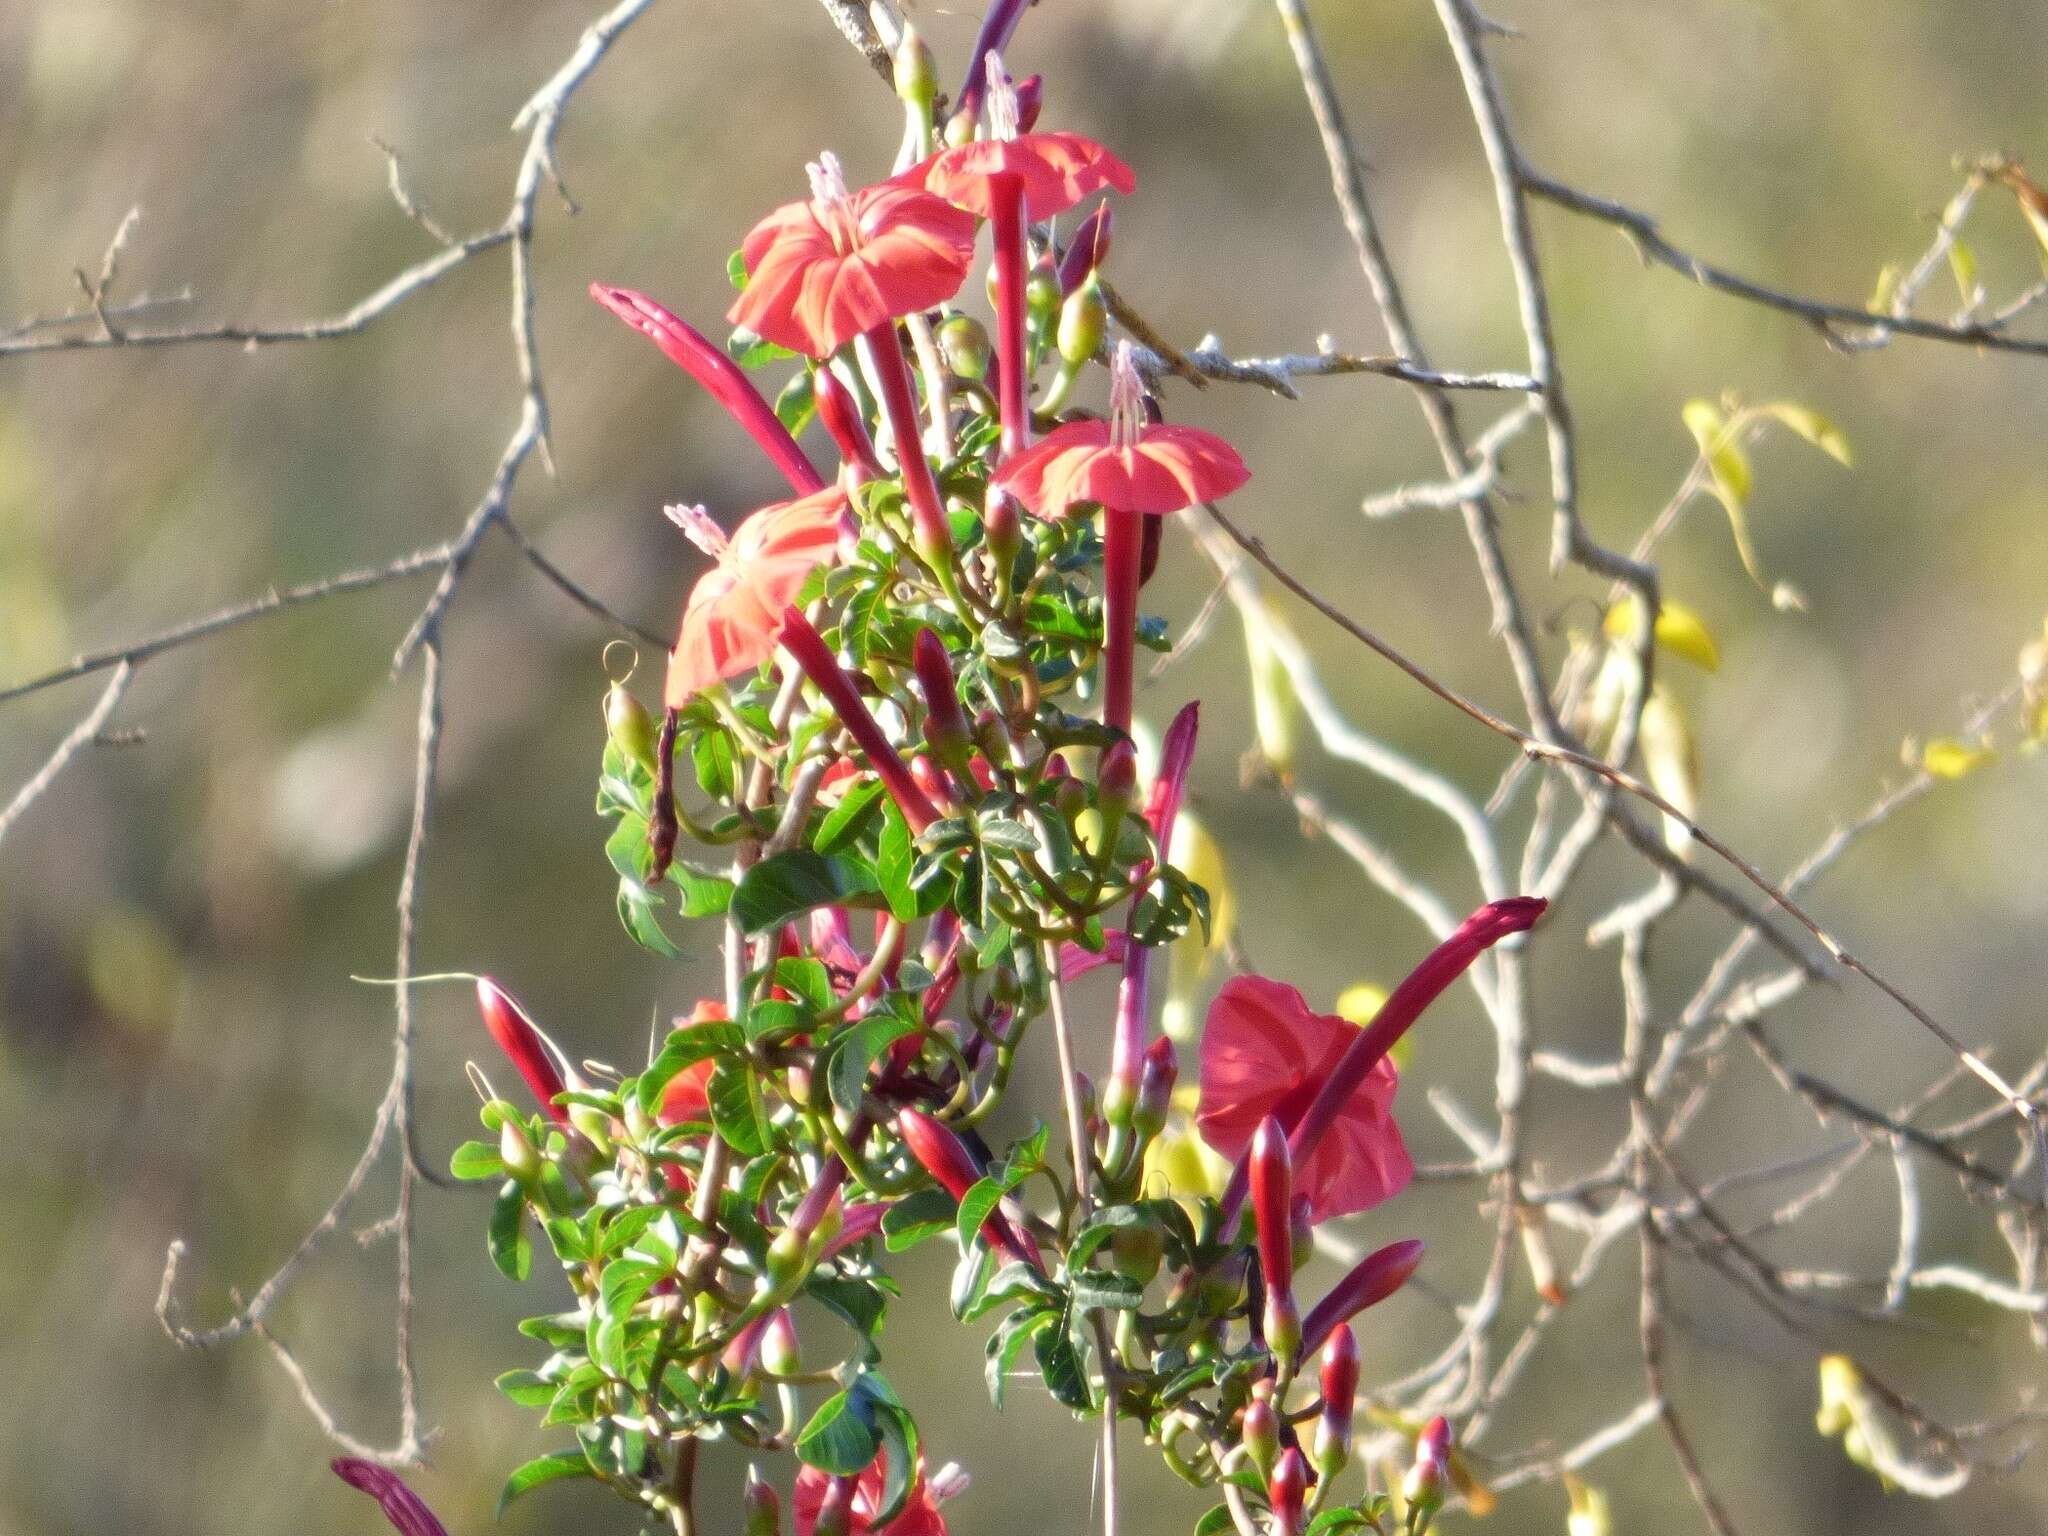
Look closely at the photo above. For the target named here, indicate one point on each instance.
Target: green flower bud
(916, 72)
(630, 727)
(963, 343)
(517, 1152)
(1084, 319)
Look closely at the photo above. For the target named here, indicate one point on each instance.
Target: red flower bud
(1155, 1088)
(1260, 1434)
(835, 1511)
(945, 1158)
(1340, 1393)
(818, 663)
(841, 416)
(520, 1040)
(1087, 251)
(1372, 1280)
(1287, 1491)
(1423, 1487)
(1030, 101)
(408, 1514)
(780, 1355)
(1272, 1180)
(946, 725)
(720, 376)
(761, 1507)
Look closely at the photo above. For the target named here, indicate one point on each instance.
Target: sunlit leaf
(1679, 631)
(1949, 757)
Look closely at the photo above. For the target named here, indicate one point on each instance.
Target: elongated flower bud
(1155, 1088)
(811, 653)
(517, 1152)
(1030, 101)
(1087, 251)
(1340, 1394)
(406, 1511)
(946, 1159)
(840, 413)
(945, 725)
(1272, 1175)
(761, 1507)
(721, 377)
(1260, 1435)
(523, 1043)
(1287, 1491)
(1421, 987)
(1372, 1280)
(997, 24)
(916, 71)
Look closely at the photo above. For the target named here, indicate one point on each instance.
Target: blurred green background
(181, 1051)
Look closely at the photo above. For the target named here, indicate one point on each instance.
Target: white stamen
(1002, 99)
(949, 1482)
(828, 181)
(698, 528)
(1126, 398)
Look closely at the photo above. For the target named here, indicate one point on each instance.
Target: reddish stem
(1006, 225)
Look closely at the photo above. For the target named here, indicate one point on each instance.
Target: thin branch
(80, 734)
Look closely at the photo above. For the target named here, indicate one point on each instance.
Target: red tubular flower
(730, 622)
(1371, 1281)
(408, 1515)
(946, 1159)
(823, 271)
(720, 376)
(821, 1500)
(1131, 467)
(686, 1096)
(1272, 1185)
(521, 1041)
(1265, 1052)
(1286, 1492)
(1012, 178)
(1340, 1394)
(1087, 251)
(996, 26)
(810, 652)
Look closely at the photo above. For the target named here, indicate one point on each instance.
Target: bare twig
(87, 729)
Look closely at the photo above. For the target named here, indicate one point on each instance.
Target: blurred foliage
(181, 1052)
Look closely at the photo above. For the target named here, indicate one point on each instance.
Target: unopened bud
(762, 1507)
(1003, 527)
(1272, 1190)
(1087, 251)
(780, 1355)
(1423, 1486)
(517, 1152)
(1340, 1393)
(916, 72)
(629, 725)
(1084, 319)
(1260, 1435)
(782, 1271)
(1030, 101)
(963, 343)
(1041, 293)
(840, 412)
(1155, 1088)
(835, 1510)
(1137, 1252)
(945, 725)
(1287, 1492)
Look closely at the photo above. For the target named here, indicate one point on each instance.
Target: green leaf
(1107, 1289)
(1059, 1361)
(780, 889)
(1215, 1522)
(858, 1303)
(751, 351)
(552, 1468)
(898, 1432)
(847, 820)
(737, 1111)
(895, 858)
(686, 1047)
(700, 895)
(511, 1247)
(1814, 427)
(736, 269)
(840, 1438)
(711, 756)
(1005, 1345)
(775, 1017)
(855, 1050)
(998, 832)
(476, 1160)
(982, 1197)
(807, 978)
(527, 1389)
(916, 1217)
(637, 908)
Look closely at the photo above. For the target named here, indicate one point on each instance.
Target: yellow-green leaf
(1812, 426)
(1672, 759)
(1948, 757)
(1728, 472)
(1962, 261)
(1679, 631)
